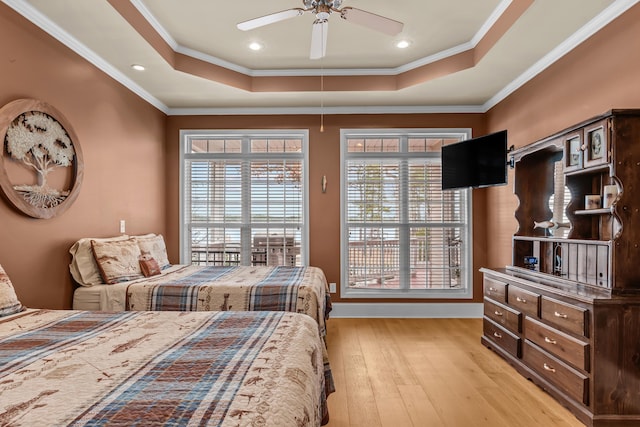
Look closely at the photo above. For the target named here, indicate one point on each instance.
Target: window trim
(187, 134)
(349, 293)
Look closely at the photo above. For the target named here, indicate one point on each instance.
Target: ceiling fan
(322, 9)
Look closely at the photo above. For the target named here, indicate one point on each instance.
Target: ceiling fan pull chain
(321, 95)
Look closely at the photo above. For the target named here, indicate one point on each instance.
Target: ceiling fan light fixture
(322, 10)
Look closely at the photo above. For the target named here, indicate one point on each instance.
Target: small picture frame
(592, 201)
(597, 145)
(609, 195)
(573, 152)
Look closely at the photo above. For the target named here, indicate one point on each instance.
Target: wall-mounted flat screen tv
(477, 162)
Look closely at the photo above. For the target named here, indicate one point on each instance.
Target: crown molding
(261, 111)
(613, 11)
(166, 36)
(29, 12)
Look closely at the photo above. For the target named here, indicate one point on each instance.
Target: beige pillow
(118, 261)
(144, 236)
(83, 267)
(9, 303)
(154, 247)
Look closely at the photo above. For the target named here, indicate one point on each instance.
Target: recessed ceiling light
(255, 46)
(403, 44)
(138, 67)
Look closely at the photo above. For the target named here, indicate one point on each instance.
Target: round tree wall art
(41, 161)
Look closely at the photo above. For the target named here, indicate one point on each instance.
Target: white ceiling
(205, 30)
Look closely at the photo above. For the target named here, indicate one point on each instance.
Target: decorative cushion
(155, 248)
(117, 260)
(83, 267)
(9, 303)
(149, 266)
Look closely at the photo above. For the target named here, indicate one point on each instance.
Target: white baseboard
(400, 310)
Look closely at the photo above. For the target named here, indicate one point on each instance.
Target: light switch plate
(332, 288)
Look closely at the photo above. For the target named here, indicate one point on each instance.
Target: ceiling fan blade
(319, 33)
(371, 20)
(269, 19)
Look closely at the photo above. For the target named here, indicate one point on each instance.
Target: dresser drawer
(524, 301)
(567, 348)
(503, 315)
(565, 316)
(495, 289)
(572, 382)
(504, 339)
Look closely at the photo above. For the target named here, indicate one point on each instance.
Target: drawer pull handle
(522, 300)
(548, 368)
(497, 313)
(560, 315)
(550, 340)
(492, 289)
(497, 334)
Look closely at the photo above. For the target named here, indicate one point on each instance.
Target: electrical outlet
(123, 227)
(332, 288)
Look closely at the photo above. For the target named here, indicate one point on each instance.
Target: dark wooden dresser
(566, 313)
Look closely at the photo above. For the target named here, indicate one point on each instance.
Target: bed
(111, 277)
(152, 368)
(80, 368)
(199, 288)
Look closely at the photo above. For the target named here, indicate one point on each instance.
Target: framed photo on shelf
(573, 152)
(597, 144)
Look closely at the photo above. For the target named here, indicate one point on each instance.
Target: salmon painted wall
(599, 75)
(324, 159)
(131, 161)
(122, 140)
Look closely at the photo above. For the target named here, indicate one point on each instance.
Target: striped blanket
(197, 288)
(239, 288)
(160, 368)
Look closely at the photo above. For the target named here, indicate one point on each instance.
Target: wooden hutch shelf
(566, 313)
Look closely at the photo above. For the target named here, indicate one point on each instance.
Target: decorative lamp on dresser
(566, 313)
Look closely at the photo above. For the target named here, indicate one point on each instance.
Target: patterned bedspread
(237, 288)
(197, 288)
(160, 368)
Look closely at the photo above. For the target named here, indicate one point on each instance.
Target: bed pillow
(118, 261)
(149, 266)
(9, 303)
(155, 248)
(144, 236)
(83, 267)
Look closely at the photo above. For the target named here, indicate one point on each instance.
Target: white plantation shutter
(244, 198)
(213, 211)
(402, 235)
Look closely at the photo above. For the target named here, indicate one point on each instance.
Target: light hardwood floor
(429, 372)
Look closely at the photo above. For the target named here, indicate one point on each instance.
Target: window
(402, 236)
(244, 197)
